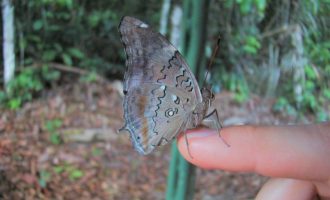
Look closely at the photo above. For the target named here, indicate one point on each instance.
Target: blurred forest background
(68, 55)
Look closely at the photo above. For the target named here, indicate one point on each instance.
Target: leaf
(326, 93)
(252, 45)
(75, 174)
(14, 103)
(49, 74)
(58, 169)
(48, 55)
(54, 124)
(67, 3)
(67, 59)
(58, 47)
(321, 116)
(55, 138)
(44, 178)
(94, 18)
(37, 25)
(250, 49)
(42, 183)
(310, 73)
(57, 123)
(252, 40)
(3, 97)
(76, 53)
(96, 151)
(245, 6)
(261, 5)
(281, 102)
(54, 28)
(309, 85)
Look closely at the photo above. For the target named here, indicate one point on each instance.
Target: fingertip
(201, 146)
(183, 146)
(236, 149)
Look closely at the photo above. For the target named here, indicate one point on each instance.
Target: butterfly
(161, 95)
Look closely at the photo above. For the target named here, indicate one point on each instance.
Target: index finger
(277, 151)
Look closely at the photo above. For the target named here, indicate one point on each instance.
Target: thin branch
(283, 29)
(76, 70)
(64, 68)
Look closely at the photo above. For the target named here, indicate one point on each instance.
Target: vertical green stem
(172, 174)
(181, 178)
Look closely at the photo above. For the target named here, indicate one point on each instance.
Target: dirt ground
(64, 145)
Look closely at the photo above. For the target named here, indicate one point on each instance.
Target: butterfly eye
(171, 112)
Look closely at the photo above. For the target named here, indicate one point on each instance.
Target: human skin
(296, 157)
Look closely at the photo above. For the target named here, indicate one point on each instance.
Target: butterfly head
(207, 94)
(202, 107)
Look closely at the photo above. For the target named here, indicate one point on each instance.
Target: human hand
(297, 157)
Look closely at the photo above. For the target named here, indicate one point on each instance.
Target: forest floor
(64, 145)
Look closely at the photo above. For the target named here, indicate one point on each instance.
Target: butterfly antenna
(214, 53)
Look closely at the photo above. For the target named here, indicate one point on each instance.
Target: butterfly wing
(160, 90)
(154, 115)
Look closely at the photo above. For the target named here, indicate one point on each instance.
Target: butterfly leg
(212, 121)
(186, 138)
(122, 129)
(187, 143)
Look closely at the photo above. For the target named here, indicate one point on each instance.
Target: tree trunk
(8, 41)
(164, 16)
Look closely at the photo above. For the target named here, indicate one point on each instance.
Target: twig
(282, 29)
(71, 69)
(65, 68)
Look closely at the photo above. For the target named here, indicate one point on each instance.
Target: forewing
(151, 58)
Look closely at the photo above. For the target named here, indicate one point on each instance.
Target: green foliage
(256, 36)
(284, 106)
(96, 151)
(273, 55)
(315, 83)
(44, 177)
(316, 88)
(315, 94)
(235, 84)
(251, 45)
(73, 172)
(76, 33)
(55, 138)
(322, 116)
(326, 93)
(58, 169)
(52, 126)
(246, 6)
(27, 83)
